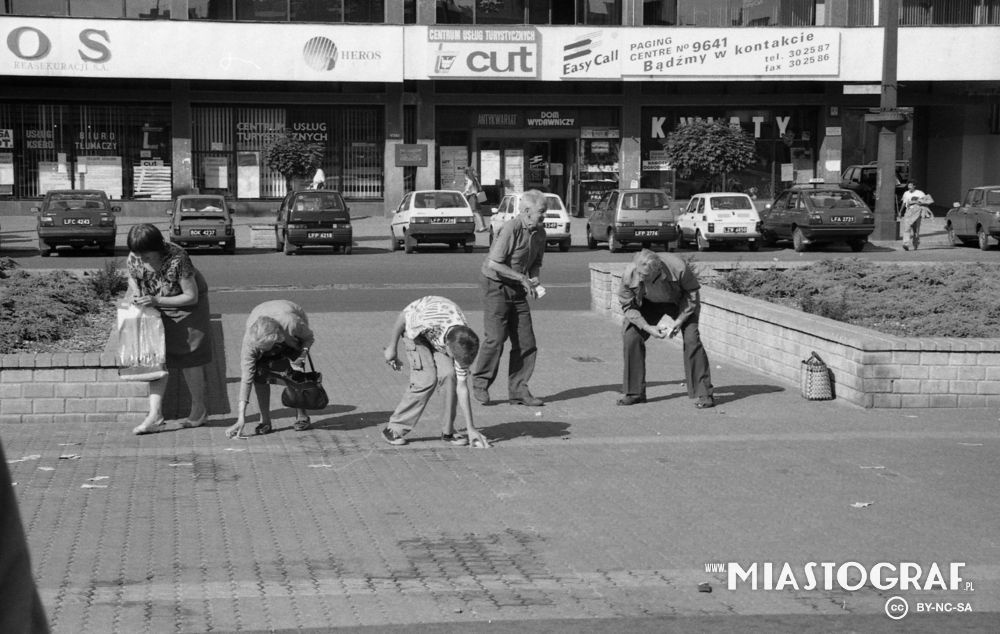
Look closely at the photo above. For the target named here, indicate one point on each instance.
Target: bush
(109, 282)
(948, 300)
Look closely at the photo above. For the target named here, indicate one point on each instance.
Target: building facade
(148, 98)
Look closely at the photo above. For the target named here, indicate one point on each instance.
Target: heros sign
(478, 52)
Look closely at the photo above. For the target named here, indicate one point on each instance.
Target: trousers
(506, 315)
(429, 371)
(697, 372)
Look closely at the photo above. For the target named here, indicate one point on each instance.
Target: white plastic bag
(142, 350)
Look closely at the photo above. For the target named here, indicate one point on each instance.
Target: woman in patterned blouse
(161, 275)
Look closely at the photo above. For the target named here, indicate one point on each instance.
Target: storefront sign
(497, 120)
(6, 139)
(411, 155)
(551, 118)
(599, 133)
(100, 172)
(51, 177)
(484, 52)
(59, 47)
(584, 53)
(454, 160)
(730, 52)
(6, 173)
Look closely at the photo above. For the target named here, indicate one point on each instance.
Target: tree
(713, 147)
(292, 157)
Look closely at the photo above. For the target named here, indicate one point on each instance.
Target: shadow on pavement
(528, 428)
(730, 393)
(581, 392)
(357, 420)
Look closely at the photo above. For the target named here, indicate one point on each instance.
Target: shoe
(481, 394)
(392, 437)
(631, 399)
(151, 427)
(906, 248)
(527, 399)
(705, 402)
(302, 424)
(262, 429)
(195, 423)
(458, 440)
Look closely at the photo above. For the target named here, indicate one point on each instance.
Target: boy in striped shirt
(439, 347)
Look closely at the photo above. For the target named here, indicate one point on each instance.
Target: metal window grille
(363, 134)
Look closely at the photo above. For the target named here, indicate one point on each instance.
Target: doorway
(518, 164)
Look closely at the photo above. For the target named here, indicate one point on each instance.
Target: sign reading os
(496, 53)
(33, 45)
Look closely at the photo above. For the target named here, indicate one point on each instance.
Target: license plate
(551, 225)
(644, 234)
(202, 232)
(76, 221)
(734, 230)
(442, 221)
(319, 234)
(841, 218)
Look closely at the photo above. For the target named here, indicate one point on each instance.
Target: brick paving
(581, 509)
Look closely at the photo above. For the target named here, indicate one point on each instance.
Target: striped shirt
(431, 317)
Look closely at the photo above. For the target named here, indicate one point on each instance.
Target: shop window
(96, 8)
(38, 7)
(659, 12)
(364, 11)
(724, 13)
(262, 10)
(924, 12)
(606, 12)
(500, 11)
(455, 11)
(317, 10)
(860, 13)
(149, 9)
(211, 10)
(409, 11)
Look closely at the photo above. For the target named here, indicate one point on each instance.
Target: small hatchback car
(976, 219)
(202, 220)
(723, 217)
(557, 222)
(312, 218)
(76, 218)
(631, 216)
(432, 215)
(817, 213)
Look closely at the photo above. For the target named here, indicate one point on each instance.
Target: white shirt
(911, 196)
(319, 179)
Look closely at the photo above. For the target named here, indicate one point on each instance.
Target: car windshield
(438, 200)
(993, 197)
(202, 209)
(318, 202)
(842, 199)
(551, 202)
(644, 200)
(731, 202)
(75, 201)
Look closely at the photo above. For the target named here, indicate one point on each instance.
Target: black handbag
(304, 390)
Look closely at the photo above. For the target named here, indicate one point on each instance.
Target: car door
(772, 216)
(685, 221)
(974, 218)
(401, 217)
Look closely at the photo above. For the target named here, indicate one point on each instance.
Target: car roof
(315, 191)
(77, 192)
(435, 191)
(640, 189)
(714, 194)
(987, 187)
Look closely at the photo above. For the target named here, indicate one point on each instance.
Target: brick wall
(869, 368)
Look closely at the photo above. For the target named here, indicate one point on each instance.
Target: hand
(529, 285)
(391, 359)
(477, 439)
(673, 331)
(145, 300)
(657, 332)
(236, 430)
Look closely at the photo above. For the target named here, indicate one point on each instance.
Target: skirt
(187, 331)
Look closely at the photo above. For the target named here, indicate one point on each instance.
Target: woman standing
(277, 338)
(471, 193)
(914, 211)
(161, 275)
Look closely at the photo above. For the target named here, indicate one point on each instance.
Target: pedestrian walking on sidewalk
(653, 289)
(471, 192)
(509, 278)
(277, 339)
(161, 275)
(440, 346)
(914, 211)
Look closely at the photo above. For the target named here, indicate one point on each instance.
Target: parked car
(722, 217)
(202, 220)
(631, 216)
(977, 218)
(863, 180)
(432, 215)
(76, 218)
(557, 221)
(817, 213)
(313, 217)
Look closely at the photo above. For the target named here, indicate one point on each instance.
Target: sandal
(262, 429)
(302, 424)
(705, 402)
(459, 440)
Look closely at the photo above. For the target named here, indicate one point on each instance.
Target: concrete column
(426, 176)
(630, 161)
(180, 130)
(393, 179)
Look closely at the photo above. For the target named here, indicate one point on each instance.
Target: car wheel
(230, 248)
(614, 246)
(953, 240)
(753, 246)
(289, 248)
(409, 244)
(857, 245)
(564, 246)
(768, 238)
(984, 239)
(680, 240)
(348, 249)
(279, 244)
(798, 240)
(591, 243)
(468, 247)
(702, 243)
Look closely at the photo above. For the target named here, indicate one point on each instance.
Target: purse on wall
(304, 390)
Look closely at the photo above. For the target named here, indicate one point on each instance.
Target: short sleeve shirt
(518, 247)
(165, 282)
(430, 317)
